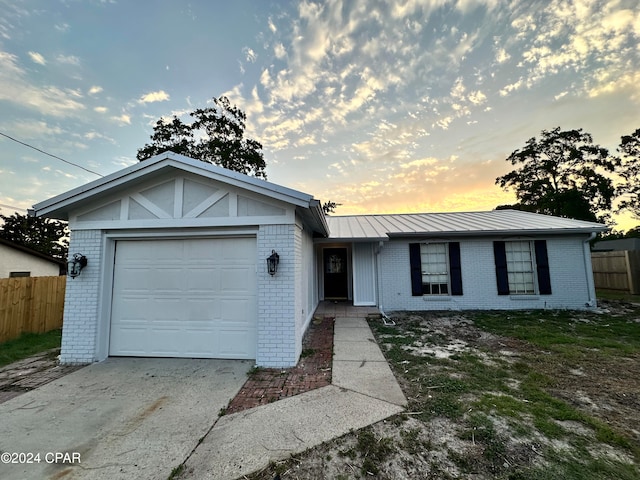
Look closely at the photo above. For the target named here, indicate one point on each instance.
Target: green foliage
(564, 174)
(40, 234)
(330, 207)
(28, 344)
(215, 136)
(629, 148)
(176, 472)
(375, 451)
(556, 332)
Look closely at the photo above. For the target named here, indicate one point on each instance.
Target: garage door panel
(235, 311)
(191, 298)
(231, 343)
(203, 279)
(238, 279)
(201, 310)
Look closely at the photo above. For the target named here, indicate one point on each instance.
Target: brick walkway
(24, 375)
(266, 385)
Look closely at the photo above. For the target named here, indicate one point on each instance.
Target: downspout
(385, 318)
(592, 303)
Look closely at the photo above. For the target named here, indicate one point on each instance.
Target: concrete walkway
(363, 391)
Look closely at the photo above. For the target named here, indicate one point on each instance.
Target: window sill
(436, 298)
(524, 297)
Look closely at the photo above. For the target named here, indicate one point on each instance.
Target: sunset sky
(382, 106)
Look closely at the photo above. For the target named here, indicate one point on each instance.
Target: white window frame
(431, 266)
(521, 267)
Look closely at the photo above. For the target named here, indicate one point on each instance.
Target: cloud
(576, 36)
(272, 26)
(279, 51)
(37, 58)
(17, 88)
(68, 60)
(95, 89)
(610, 84)
(151, 97)
(249, 55)
(477, 97)
(123, 119)
(507, 89)
(34, 129)
(100, 109)
(93, 135)
(502, 55)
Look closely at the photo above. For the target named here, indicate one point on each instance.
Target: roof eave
(59, 205)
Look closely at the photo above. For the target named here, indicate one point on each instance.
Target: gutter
(501, 232)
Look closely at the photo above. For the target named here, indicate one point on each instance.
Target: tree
(40, 234)
(562, 174)
(215, 136)
(330, 207)
(629, 148)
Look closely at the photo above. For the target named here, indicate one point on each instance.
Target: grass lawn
(28, 344)
(513, 395)
(617, 295)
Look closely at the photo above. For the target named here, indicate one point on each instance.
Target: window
(435, 275)
(521, 267)
(19, 274)
(435, 268)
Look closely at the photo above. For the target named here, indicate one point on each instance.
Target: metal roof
(494, 222)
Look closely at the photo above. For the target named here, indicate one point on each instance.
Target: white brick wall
(283, 311)
(277, 302)
(79, 328)
(566, 265)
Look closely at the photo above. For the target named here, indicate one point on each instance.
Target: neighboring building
(20, 261)
(177, 251)
(617, 245)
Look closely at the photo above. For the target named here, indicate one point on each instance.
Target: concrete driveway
(119, 419)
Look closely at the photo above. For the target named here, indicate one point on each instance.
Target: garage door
(185, 298)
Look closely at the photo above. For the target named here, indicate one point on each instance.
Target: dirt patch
(32, 372)
(555, 397)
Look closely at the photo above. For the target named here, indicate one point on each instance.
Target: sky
(383, 106)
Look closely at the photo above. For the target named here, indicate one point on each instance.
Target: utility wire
(12, 206)
(51, 155)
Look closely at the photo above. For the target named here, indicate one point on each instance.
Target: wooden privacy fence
(30, 305)
(617, 270)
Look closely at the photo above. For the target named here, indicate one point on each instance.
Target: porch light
(76, 264)
(272, 263)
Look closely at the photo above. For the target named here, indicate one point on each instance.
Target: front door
(336, 285)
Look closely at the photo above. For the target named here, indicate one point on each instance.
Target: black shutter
(542, 263)
(500, 257)
(456, 268)
(416, 269)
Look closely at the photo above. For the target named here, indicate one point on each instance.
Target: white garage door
(185, 298)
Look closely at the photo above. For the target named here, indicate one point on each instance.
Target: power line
(12, 206)
(51, 155)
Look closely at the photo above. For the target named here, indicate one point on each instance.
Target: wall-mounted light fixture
(272, 262)
(76, 264)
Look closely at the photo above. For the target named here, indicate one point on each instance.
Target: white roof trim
(181, 162)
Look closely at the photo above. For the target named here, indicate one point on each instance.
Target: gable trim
(59, 205)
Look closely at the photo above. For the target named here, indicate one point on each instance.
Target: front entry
(336, 278)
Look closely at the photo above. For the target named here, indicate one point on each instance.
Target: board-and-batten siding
(182, 202)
